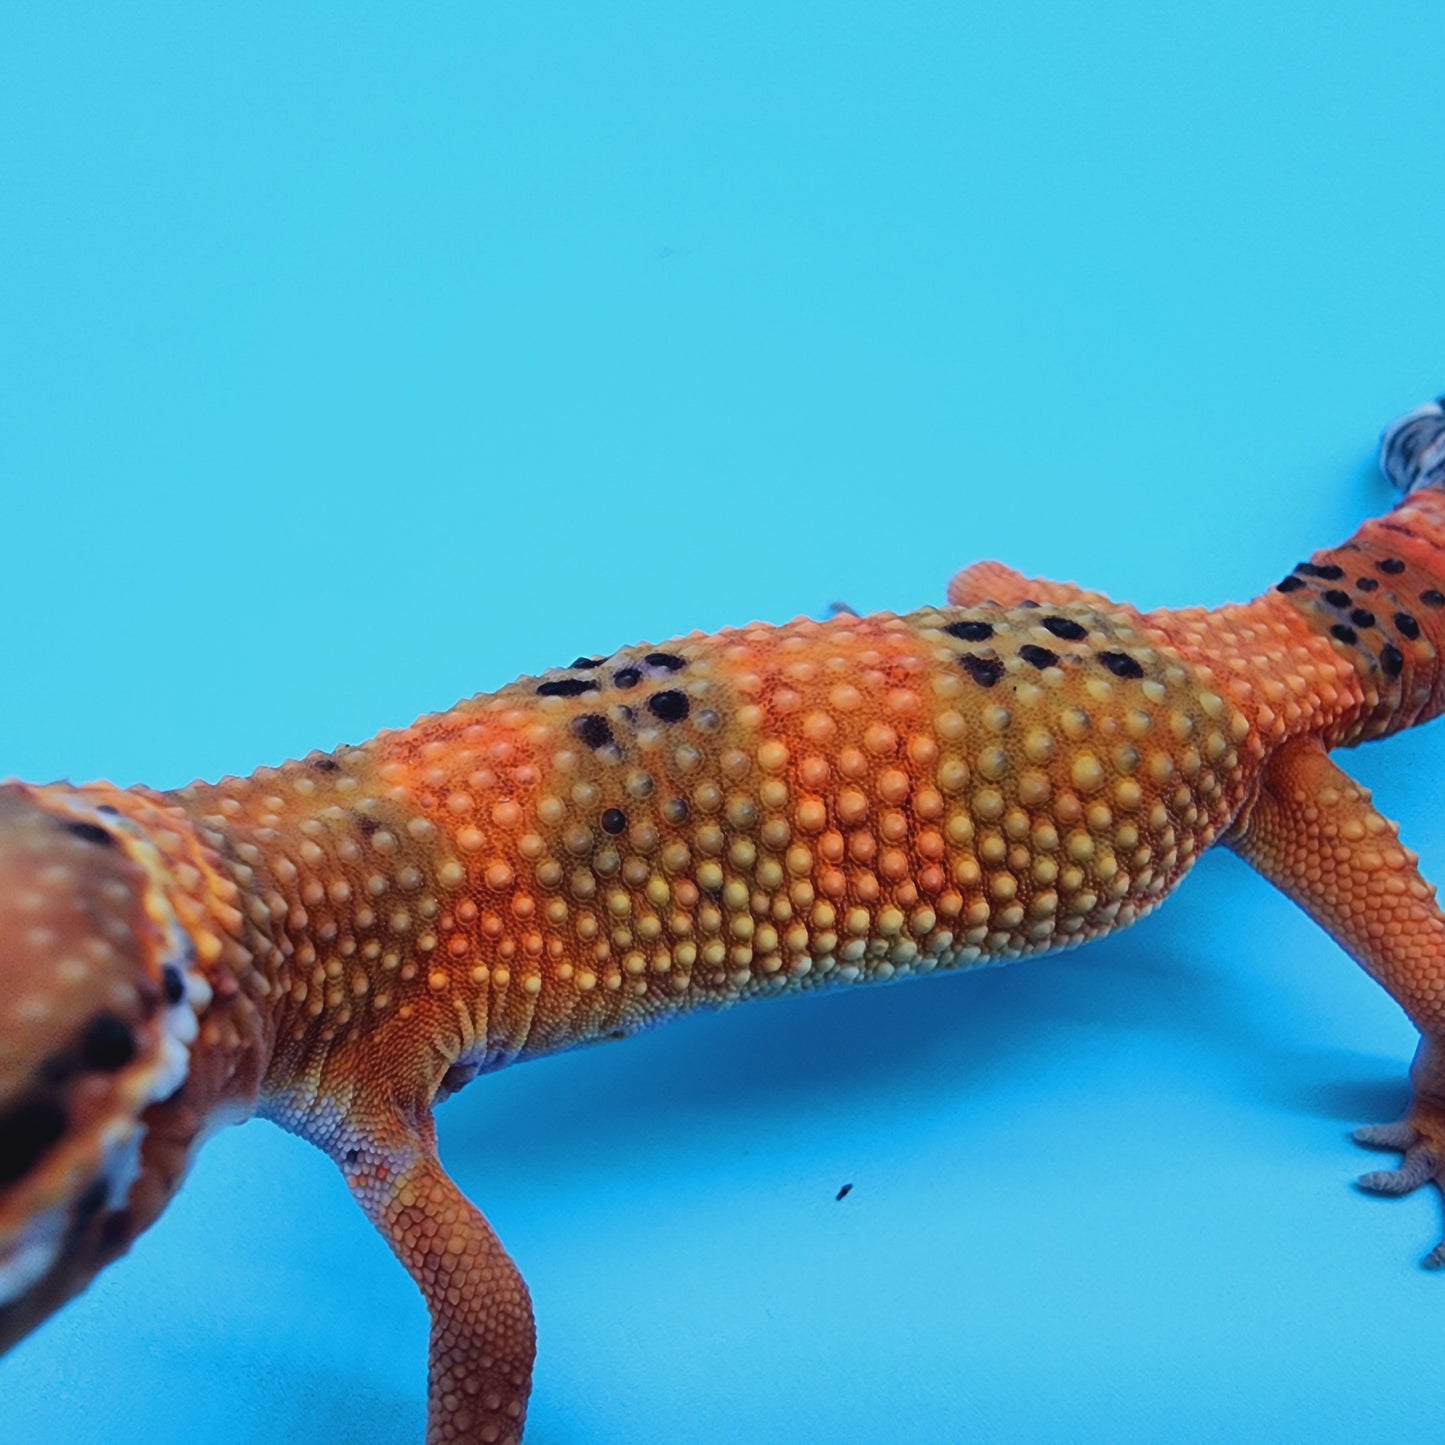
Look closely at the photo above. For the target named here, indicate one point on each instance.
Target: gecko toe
(1399, 1136)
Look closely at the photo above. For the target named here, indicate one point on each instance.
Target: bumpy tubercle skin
(764, 811)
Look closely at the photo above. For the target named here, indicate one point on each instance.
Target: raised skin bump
(341, 941)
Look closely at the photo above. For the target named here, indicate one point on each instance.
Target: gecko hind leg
(1419, 1137)
(991, 582)
(1316, 835)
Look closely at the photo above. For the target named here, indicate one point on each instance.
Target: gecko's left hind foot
(1424, 1163)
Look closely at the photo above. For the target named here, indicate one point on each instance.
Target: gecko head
(95, 1023)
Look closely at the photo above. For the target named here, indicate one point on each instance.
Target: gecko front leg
(483, 1337)
(1315, 834)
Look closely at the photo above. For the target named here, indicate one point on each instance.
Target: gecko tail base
(1412, 450)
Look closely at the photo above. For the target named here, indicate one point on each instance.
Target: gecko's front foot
(1420, 1137)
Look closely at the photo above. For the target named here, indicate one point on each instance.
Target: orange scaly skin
(339, 942)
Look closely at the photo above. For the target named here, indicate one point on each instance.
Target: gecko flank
(338, 943)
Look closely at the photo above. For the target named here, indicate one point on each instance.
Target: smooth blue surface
(355, 358)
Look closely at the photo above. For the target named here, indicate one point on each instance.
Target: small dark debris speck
(1344, 634)
(1038, 656)
(1121, 664)
(1392, 660)
(1407, 625)
(985, 671)
(668, 706)
(970, 631)
(1065, 627)
(566, 687)
(593, 730)
(1391, 566)
(614, 821)
(844, 1192)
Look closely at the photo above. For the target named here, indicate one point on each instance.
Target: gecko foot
(1423, 1163)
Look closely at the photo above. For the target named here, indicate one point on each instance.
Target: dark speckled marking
(1039, 657)
(1407, 625)
(1336, 598)
(1392, 660)
(1290, 584)
(1328, 573)
(668, 706)
(27, 1131)
(588, 661)
(985, 671)
(92, 833)
(627, 677)
(1431, 598)
(1121, 664)
(1362, 617)
(614, 821)
(108, 1044)
(1367, 584)
(174, 984)
(668, 661)
(1390, 566)
(593, 730)
(566, 687)
(1344, 634)
(970, 631)
(1065, 627)
(326, 765)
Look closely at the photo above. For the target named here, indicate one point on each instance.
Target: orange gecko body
(339, 942)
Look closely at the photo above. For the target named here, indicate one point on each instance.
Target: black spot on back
(1392, 660)
(668, 706)
(614, 821)
(627, 677)
(566, 687)
(1038, 656)
(1344, 634)
(1407, 625)
(27, 1131)
(108, 1044)
(1121, 664)
(326, 765)
(668, 661)
(1367, 584)
(593, 730)
(1391, 566)
(1337, 598)
(1065, 627)
(1431, 598)
(970, 631)
(1361, 617)
(1290, 584)
(1328, 573)
(588, 661)
(985, 671)
(92, 833)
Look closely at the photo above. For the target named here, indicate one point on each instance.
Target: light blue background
(354, 358)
